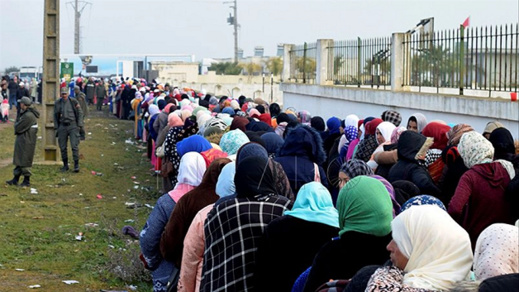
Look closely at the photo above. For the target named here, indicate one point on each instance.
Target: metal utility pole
(233, 20)
(50, 81)
(77, 21)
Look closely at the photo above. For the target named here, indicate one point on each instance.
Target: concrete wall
(328, 101)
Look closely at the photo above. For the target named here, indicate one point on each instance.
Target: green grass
(37, 231)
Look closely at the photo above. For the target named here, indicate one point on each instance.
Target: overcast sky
(199, 27)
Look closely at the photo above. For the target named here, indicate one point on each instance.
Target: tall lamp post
(263, 86)
(271, 87)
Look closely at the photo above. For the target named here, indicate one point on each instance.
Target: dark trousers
(66, 132)
(22, 170)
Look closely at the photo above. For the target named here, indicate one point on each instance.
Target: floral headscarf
(232, 141)
(475, 149)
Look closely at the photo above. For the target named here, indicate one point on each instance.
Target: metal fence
(474, 58)
(360, 62)
(303, 63)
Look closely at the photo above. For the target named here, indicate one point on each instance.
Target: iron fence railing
(360, 62)
(303, 63)
(484, 58)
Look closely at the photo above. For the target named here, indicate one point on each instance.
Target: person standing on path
(90, 91)
(13, 91)
(81, 98)
(68, 120)
(101, 94)
(25, 129)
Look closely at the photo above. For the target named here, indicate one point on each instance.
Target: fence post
(322, 57)
(359, 61)
(397, 61)
(462, 57)
(304, 62)
(288, 64)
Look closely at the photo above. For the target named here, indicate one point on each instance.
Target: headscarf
(228, 110)
(386, 129)
(371, 126)
(497, 251)
(395, 135)
(491, 126)
(438, 132)
(364, 206)
(333, 125)
(167, 108)
(185, 114)
(174, 120)
(194, 143)
(191, 170)
(254, 113)
(225, 185)
(239, 123)
(184, 103)
(455, 133)
(305, 117)
(503, 143)
(235, 104)
(422, 200)
(355, 167)
(392, 116)
(405, 190)
(390, 190)
(254, 179)
(438, 249)
(232, 141)
(316, 123)
(250, 149)
(314, 203)
(212, 154)
(421, 121)
(351, 120)
(273, 142)
(475, 149)
(199, 109)
(153, 109)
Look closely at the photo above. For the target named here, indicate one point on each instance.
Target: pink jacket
(193, 254)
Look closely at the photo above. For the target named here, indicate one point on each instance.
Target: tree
(337, 64)
(226, 68)
(275, 65)
(251, 68)
(11, 69)
(306, 65)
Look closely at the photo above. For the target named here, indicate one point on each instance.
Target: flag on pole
(466, 23)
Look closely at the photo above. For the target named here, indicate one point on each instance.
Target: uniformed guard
(68, 119)
(80, 97)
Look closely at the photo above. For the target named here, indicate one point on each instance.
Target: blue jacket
(302, 148)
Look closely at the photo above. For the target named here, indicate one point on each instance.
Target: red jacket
(479, 199)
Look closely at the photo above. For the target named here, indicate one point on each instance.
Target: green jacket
(77, 112)
(81, 98)
(25, 129)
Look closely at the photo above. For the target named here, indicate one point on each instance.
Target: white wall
(328, 101)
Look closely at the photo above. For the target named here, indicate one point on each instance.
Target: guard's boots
(26, 181)
(65, 166)
(14, 181)
(76, 165)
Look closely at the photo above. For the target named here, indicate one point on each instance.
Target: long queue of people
(260, 198)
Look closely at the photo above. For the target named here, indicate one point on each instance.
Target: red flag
(466, 23)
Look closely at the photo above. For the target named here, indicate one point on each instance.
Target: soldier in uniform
(101, 94)
(25, 129)
(90, 91)
(80, 96)
(68, 120)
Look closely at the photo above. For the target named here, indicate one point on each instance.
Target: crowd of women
(256, 197)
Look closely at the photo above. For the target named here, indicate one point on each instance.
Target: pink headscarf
(174, 120)
(167, 108)
(185, 114)
(254, 112)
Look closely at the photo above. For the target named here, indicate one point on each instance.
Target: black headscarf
(503, 143)
(318, 124)
(254, 179)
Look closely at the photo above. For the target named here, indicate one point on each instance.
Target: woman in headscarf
(239, 123)
(174, 121)
(194, 143)
(383, 135)
(273, 143)
(353, 144)
(422, 200)
(256, 204)
(302, 157)
(433, 159)
(367, 146)
(497, 251)
(429, 252)
(479, 200)
(162, 118)
(365, 214)
(171, 243)
(351, 169)
(416, 122)
(193, 252)
(350, 122)
(192, 168)
(503, 143)
(387, 158)
(232, 141)
(304, 117)
(411, 149)
(334, 132)
(311, 223)
(281, 182)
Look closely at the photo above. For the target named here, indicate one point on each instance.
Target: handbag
(166, 167)
(159, 152)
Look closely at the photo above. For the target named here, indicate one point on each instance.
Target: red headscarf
(371, 126)
(438, 131)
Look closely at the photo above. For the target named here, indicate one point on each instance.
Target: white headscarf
(192, 168)
(351, 120)
(438, 249)
(497, 251)
(386, 129)
(153, 109)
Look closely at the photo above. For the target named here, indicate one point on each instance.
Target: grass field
(38, 231)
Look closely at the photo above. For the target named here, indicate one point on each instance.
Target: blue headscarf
(272, 142)
(232, 141)
(333, 124)
(314, 203)
(422, 200)
(195, 143)
(228, 110)
(250, 149)
(225, 185)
